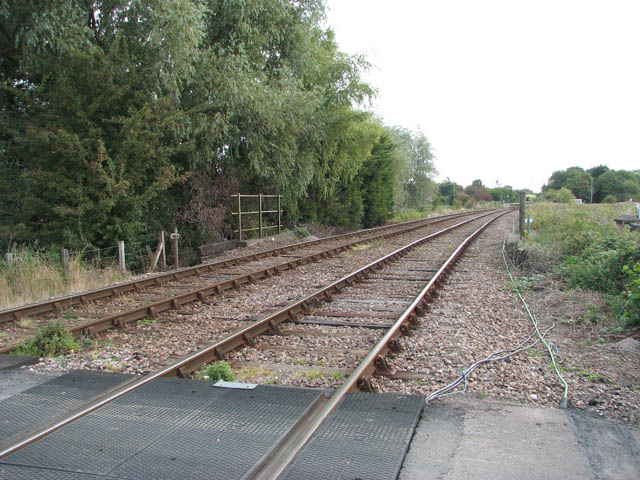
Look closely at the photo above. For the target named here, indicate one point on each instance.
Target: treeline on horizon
(595, 185)
(119, 118)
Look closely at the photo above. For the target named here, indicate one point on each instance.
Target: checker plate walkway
(173, 428)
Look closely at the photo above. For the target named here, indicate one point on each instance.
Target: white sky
(507, 90)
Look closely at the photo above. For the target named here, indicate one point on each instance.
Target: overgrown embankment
(582, 245)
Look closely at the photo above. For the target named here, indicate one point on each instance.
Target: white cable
(446, 390)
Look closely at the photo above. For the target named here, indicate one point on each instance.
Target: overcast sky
(505, 91)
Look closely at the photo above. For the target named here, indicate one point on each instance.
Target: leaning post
(163, 258)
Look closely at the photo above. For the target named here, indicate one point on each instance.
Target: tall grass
(406, 216)
(33, 277)
(584, 245)
(567, 229)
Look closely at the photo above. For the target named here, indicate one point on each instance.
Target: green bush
(302, 231)
(562, 195)
(600, 266)
(630, 306)
(50, 340)
(219, 371)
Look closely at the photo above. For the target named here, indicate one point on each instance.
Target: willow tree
(414, 168)
(118, 117)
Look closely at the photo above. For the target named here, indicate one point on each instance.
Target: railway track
(411, 275)
(89, 313)
(60, 303)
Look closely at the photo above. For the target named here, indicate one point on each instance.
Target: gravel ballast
(476, 314)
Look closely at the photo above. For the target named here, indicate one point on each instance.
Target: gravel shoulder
(478, 313)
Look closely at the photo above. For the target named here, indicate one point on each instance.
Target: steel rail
(122, 319)
(59, 303)
(282, 455)
(241, 337)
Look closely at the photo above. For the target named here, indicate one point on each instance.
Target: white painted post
(163, 259)
(239, 216)
(9, 258)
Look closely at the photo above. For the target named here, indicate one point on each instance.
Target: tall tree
(414, 168)
(376, 178)
(580, 185)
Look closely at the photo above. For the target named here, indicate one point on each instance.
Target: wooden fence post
(521, 222)
(65, 262)
(279, 213)
(175, 236)
(121, 259)
(9, 258)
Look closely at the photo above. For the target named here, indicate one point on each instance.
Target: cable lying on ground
(564, 402)
(494, 357)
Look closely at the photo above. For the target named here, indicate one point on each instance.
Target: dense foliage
(122, 117)
(412, 161)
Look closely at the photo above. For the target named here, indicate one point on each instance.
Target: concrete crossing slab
(465, 438)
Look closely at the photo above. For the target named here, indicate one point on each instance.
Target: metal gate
(262, 226)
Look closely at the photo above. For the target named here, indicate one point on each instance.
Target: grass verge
(33, 277)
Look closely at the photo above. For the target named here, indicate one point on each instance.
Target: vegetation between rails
(50, 340)
(582, 244)
(220, 370)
